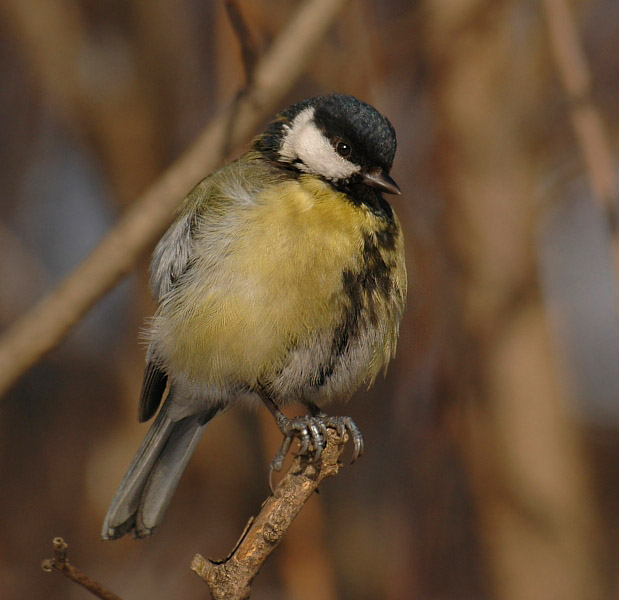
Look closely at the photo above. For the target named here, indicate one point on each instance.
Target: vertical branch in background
(522, 452)
(249, 48)
(249, 58)
(575, 76)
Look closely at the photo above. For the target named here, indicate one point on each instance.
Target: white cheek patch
(305, 142)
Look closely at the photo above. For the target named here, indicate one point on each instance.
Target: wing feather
(172, 255)
(153, 388)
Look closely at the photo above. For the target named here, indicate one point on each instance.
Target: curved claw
(357, 440)
(345, 425)
(323, 432)
(358, 449)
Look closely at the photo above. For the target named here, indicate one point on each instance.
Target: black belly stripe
(362, 289)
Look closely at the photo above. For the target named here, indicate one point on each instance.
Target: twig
(249, 50)
(41, 329)
(588, 126)
(60, 563)
(249, 56)
(231, 578)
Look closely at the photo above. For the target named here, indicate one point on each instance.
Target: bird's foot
(311, 430)
(345, 425)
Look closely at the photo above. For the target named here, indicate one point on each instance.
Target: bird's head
(339, 138)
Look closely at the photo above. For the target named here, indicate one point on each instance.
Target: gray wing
(171, 259)
(153, 387)
(172, 255)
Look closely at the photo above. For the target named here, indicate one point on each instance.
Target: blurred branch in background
(249, 48)
(31, 274)
(520, 445)
(48, 322)
(588, 126)
(249, 56)
(93, 86)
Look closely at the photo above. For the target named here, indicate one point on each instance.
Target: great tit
(283, 280)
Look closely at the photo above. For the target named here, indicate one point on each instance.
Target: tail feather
(166, 474)
(153, 476)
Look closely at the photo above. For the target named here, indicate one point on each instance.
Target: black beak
(381, 181)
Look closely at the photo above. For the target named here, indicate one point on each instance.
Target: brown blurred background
(492, 460)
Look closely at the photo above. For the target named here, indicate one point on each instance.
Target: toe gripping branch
(311, 430)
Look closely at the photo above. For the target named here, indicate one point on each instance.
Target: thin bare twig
(588, 126)
(249, 56)
(231, 578)
(249, 47)
(43, 328)
(60, 563)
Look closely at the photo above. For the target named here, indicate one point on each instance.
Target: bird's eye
(343, 149)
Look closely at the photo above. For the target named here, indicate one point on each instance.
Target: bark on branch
(231, 578)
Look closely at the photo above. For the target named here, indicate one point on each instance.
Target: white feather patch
(304, 141)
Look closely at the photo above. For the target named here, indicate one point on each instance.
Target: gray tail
(145, 492)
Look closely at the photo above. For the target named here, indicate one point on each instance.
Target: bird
(282, 280)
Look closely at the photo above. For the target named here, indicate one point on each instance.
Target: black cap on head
(362, 124)
(370, 133)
